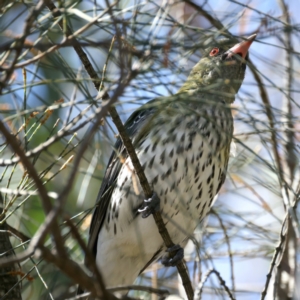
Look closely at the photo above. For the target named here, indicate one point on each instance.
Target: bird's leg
(178, 254)
(150, 206)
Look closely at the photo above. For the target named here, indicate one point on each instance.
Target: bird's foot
(150, 206)
(178, 254)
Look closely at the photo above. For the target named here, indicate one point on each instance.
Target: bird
(183, 144)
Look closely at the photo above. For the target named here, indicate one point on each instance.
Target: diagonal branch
(131, 152)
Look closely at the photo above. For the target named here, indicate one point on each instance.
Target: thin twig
(37, 9)
(88, 254)
(291, 157)
(269, 113)
(10, 287)
(67, 130)
(214, 21)
(148, 289)
(75, 273)
(47, 205)
(200, 287)
(229, 250)
(277, 251)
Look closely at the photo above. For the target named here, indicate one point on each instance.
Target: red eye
(214, 52)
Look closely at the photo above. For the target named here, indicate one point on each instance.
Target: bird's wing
(133, 126)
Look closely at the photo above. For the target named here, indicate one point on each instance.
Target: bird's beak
(242, 47)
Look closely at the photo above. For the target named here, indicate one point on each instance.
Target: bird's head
(222, 67)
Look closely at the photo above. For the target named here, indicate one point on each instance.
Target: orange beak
(242, 47)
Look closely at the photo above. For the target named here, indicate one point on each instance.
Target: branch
(291, 157)
(131, 152)
(20, 42)
(10, 288)
(46, 203)
(222, 282)
(75, 273)
(277, 251)
(214, 21)
(266, 101)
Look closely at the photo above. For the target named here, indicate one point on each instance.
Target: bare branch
(131, 152)
(200, 287)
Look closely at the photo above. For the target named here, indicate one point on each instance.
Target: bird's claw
(178, 255)
(150, 206)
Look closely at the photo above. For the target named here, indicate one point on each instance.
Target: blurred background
(251, 236)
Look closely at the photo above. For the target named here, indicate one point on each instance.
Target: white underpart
(128, 242)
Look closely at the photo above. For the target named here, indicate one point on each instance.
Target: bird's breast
(185, 160)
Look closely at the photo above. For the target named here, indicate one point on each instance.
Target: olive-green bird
(183, 143)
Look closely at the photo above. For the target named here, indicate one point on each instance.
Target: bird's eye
(214, 52)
